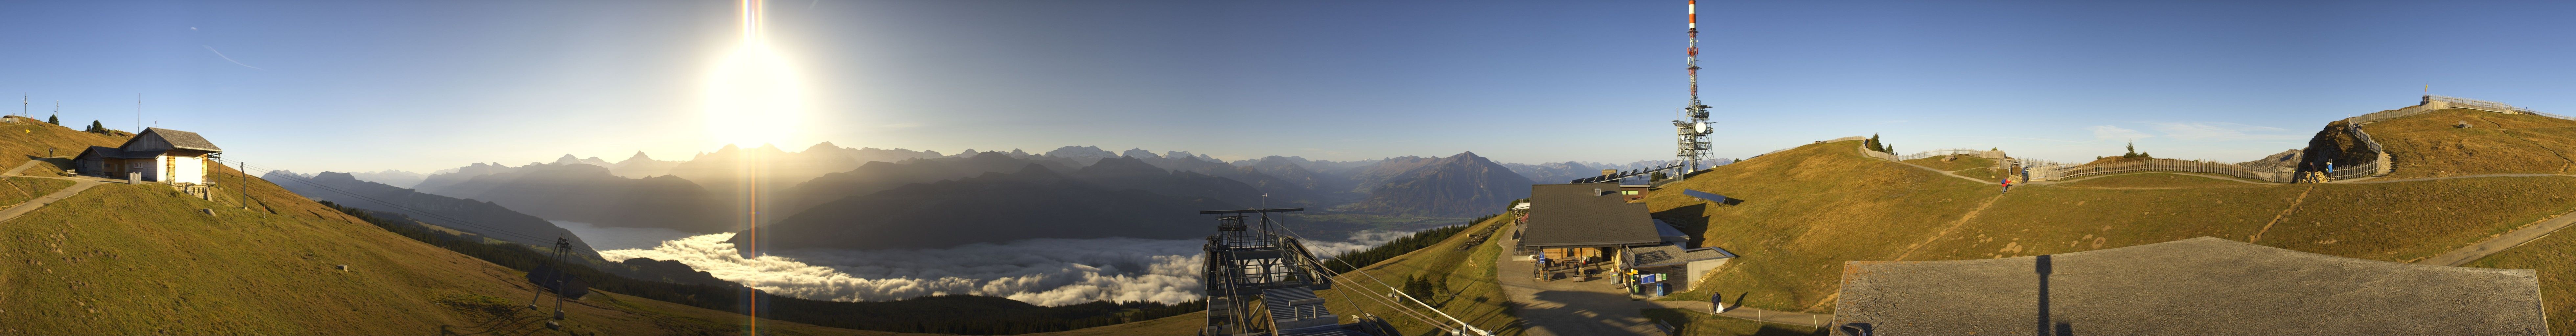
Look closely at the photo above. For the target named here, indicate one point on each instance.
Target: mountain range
(1455, 186)
(478, 217)
(829, 191)
(582, 192)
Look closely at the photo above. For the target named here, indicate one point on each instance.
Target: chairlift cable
(1399, 307)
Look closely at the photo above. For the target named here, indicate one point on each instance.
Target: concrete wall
(1699, 271)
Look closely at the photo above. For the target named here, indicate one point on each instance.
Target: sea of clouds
(1046, 272)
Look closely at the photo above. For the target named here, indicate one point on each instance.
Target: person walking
(2007, 183)
(1716, 302)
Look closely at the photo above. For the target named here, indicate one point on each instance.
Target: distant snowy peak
(391, 177)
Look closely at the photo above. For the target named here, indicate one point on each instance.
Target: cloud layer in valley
(1046, 272)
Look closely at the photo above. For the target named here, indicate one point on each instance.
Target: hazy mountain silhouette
(396, 178)
(1034, 202)
(441, 180)
(1555, 172)
(881, 176)
(1369, 177)
(1133, 173)
(434, 209)
(590, 194)
(568, 159)
(641, 165)
(1456, 186)
(1081, 155)
(1281, 191)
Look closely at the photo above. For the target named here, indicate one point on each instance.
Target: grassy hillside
(2158, 180)
(1473, 296)
(2427, 145)
(1959, 164)
(141, 259)
(24, 138)
(1808, 209)
(1805, 211)
(14, 190)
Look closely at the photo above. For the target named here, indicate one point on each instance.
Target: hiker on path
(2007, 182)
(1716, 302)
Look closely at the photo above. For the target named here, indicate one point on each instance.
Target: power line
(1398, 306)
(1408, 312)
(1373, 278)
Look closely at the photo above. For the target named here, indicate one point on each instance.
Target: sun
(753, 94)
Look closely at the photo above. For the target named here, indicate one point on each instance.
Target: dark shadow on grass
(1691, 219)
(1739, 300)
(59, 163)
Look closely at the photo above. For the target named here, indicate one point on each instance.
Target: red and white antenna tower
(1692, 132)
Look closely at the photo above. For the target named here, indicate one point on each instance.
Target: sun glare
(753, 94)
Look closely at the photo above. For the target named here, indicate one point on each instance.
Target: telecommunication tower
(1691, 131)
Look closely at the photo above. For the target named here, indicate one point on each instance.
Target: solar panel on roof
(1719, 199)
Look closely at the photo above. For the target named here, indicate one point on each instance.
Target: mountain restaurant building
(156, 155)
(1577, 221)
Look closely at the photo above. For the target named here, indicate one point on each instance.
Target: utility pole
(245, 185)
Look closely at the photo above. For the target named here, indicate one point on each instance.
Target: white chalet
(156, 155)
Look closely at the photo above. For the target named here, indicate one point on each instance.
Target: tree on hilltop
(2133, 152)
(57, 119)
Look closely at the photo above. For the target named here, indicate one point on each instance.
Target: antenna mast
(1691, 134)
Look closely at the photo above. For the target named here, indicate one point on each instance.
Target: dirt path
(2285, 213)
(1954, 226)
(2501, 242)
(2208, 175)
(2454, 177)
(1909, 250)
(78, 184)
(1943, 172)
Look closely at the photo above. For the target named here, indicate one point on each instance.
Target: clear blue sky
(427, 85)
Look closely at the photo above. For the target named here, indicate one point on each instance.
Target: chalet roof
(2197, 286)
(1586, 215)
(183, 139)
(115, 153)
